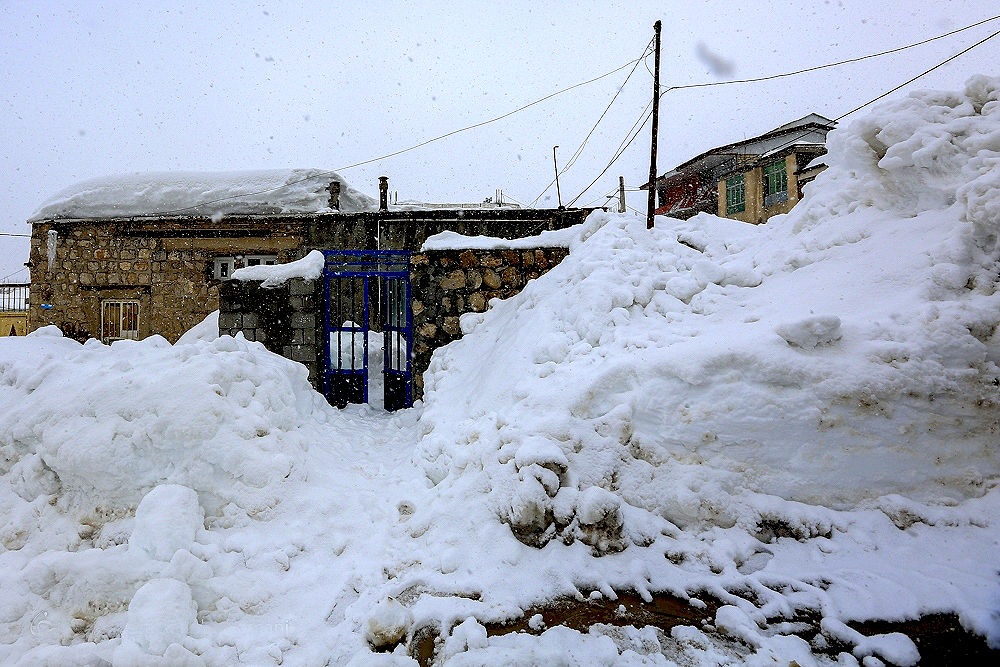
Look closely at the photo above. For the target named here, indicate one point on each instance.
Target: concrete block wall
(287, 319)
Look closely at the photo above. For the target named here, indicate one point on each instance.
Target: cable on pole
(579, 150)
(827, 65)
(894, 89)
(404, 150)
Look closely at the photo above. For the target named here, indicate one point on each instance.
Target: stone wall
(448, 283)
(165, 265)
(287, 319)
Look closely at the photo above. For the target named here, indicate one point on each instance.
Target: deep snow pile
(794, 420)
(233, 192)
(114, 458)
(842, 352)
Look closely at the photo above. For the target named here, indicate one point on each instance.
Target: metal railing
(14, 297)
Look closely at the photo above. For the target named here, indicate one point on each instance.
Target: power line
(15, 273)
(404, 150)
(579, 150)
(26, 236)
(834, 64)
(641, 123)
(894, 89)
(839, 118)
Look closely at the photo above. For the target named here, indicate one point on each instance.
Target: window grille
(775, 183)
(735, 194)
(119, 320)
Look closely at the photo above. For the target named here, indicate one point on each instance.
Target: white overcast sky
(95, 88)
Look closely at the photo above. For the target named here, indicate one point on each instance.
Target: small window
(119, 320)
(775, 183)
(257, 260)
(223, 267)
(735, 194)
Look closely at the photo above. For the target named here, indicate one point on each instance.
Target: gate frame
(366, 265)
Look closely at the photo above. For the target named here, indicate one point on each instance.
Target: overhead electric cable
(834, 64)
(404, 150)
(579, 149)
(839, 118)
(618, 153)
(894, 89)
(14, 274)
(26, 236)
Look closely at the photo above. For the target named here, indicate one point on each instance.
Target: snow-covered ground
(793, 420)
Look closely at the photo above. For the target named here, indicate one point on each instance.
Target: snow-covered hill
(796, 420)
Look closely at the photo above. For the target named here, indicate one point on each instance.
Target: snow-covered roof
(814, 129)
(267, 191)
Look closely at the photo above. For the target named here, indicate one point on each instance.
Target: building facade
(115, 277)
(750, 180)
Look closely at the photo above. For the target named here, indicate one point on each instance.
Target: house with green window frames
(750, 180)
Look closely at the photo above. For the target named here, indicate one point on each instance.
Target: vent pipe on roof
(334, 189)
(383, 193)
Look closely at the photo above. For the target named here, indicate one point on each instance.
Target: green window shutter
(735, 194)
(775, 183)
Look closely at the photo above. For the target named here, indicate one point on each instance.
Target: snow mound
(842, 352)
(265, 191)
(105, 424)
(309, 267)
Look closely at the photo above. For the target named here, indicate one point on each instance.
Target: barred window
(119, 320)
(775, 183)
(735, 194)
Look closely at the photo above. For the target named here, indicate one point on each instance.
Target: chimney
(383, 193)
(334, 189)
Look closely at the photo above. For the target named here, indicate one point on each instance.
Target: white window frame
(237, 262)
(124, 334)
(217, 265)
(257, 260)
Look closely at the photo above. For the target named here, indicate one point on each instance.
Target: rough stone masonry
(445, 284)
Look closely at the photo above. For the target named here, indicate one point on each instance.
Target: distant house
(750, 180)
(13, 309)
(128, 257)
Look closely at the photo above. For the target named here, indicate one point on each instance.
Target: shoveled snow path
(337, 535)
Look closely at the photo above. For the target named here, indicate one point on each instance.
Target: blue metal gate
(367, 290)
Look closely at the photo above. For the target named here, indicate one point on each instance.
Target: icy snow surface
(202, 193)
(448, 240)
(800, 416)
(309, 267)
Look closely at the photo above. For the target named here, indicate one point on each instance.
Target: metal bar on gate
(364, 334)
(326, 335)
(340, 338)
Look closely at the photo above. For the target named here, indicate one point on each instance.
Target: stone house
(129, 257)
(750, 180)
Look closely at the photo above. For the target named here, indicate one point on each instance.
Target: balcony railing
(14, 297)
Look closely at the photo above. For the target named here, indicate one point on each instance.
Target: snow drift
(839, 353)
(202, 193)
(796, 420)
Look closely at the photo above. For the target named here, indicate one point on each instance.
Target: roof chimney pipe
(383, 193)
(334, 189)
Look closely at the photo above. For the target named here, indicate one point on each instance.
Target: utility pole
(621, 194)
(651, 203)
(556, 166)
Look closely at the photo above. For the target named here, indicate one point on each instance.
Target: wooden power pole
(651, 204)
(621, 194)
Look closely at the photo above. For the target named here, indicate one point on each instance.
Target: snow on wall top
(448, 240)
(309, 267)
(265, 191)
